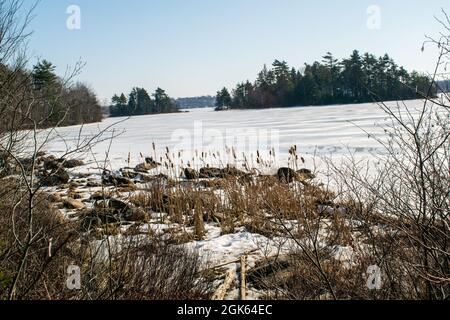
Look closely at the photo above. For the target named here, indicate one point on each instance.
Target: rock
(227, 172)
(116, 180)
(99, 196)
(191, 174)
(73, 204)
(210, 173)
(286, 175)
(69, 164)
(152, 162)
(93, 184)
(81, 175)
(55, 178)
(129, 174)
(54, 198)
(94, 218)
(73, 185)
(74, 195)
(50, 163)
(118, 205)
(40, 154)
(145, 178)
(124, 182)
(101, 204)
(145, 167)
(233, 172)
(112, 211)
(212, 183)
(305, 174)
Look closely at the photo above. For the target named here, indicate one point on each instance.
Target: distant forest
(197, 102)
(443, 86)
(357, 79)
(46, 99)
(139, 103)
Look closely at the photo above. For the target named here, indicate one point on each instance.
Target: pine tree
(162, 103)
(333, 69)
(357, 79)
(140, 103)
(47, 88)
(223, 99)
(44, 76)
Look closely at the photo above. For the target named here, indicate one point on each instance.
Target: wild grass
(328, 238)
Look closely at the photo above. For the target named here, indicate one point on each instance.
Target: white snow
(328, 130)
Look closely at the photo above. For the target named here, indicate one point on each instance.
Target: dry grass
(316, 221)
(141, 268)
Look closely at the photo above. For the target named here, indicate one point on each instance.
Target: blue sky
(195, 47)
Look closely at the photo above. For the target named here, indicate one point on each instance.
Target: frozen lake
(329, 130)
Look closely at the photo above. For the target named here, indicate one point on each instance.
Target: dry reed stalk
(243, 278)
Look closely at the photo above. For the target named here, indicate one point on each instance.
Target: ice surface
(329, 130)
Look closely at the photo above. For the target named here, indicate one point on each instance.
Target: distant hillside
(196, 102)
(444, 85)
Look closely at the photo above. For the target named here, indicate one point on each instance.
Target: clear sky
(195, 47)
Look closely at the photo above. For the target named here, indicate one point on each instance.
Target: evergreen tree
(140, 103)
(47, 88)
(44, 76)
(223, 99)
(119, 106)
(162, 102)
(332, 74)
(357, 79)
(353, 77)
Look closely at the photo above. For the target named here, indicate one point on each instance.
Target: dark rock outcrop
(231, 171)
(210, 172)
(110, 212)
(305, 175)
(70, 164)
(152, 162)
(191, 174)
(286, 175)
(54, 178)
(73, 204)
(117, 180)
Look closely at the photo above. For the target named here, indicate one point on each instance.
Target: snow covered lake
(333, 131)
(326, 130)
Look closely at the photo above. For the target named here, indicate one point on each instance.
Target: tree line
(139, 103)
(46, 100)
(196, 102)
(357, 79)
